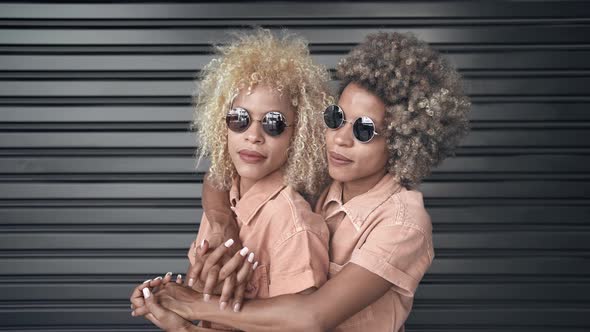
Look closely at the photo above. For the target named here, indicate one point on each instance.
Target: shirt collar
(361, 206)
(261, 192)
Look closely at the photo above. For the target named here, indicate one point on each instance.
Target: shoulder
(403, 216)
(295, 213)
(406, 209)
(415, 212)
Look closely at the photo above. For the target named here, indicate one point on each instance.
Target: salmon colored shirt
(289, 240)
(388, 232)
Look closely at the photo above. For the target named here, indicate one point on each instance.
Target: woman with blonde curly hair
(401, 112)
(258, 120)
(283, 66)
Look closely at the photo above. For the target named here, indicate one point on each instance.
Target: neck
(353, 188)
(245, 185)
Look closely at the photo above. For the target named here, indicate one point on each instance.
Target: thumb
(157, 310)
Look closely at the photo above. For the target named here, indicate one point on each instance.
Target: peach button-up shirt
(289, 240)
(388, 232)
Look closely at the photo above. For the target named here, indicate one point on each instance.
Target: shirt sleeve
(298, 263)
(399, 252)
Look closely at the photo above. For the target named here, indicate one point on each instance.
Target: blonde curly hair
(426, 110)
(282, 63)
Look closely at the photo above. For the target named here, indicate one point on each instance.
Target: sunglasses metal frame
(375, 133)
(250, 120)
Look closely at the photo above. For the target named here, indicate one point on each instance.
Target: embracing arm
(351, 290)
(216, 207)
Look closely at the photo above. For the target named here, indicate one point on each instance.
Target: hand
(163, 318)
(179, 299)
(224, 232)
(198, 262)
(234, 273)
(200, 255)
(241, 268)
(137, 298)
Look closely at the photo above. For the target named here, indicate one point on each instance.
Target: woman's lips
(251, 157)
(338, 159)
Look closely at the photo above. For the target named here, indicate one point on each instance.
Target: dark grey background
(98, 189)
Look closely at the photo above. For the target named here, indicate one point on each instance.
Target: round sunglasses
(363, 128)
(238, 119)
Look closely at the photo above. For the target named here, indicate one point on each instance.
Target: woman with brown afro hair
(401, 112)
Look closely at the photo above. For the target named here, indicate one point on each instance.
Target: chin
(340, 175)
(251, 173)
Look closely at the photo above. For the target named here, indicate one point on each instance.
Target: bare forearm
(350, 291)
(193, 328)
(287, 313)
(216, 203)
(216, 207)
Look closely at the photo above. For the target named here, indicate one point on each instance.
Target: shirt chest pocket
(363, 317)
(257, 287)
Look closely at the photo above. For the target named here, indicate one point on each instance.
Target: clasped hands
(222, 270)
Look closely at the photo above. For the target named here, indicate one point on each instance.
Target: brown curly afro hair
(426, 111)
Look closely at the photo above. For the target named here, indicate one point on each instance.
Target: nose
(343, 135)
(254, 134)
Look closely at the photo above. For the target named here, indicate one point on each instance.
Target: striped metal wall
(98, 189)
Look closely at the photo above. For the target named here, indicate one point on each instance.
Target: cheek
(382, 155)
(232, 142)
(329, 135)
(282, 146)
(277, 148)
(376, 154)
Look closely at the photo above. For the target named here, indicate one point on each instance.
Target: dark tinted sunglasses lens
(274, 123)
(333, 116)
(363, 129)
(237, 120)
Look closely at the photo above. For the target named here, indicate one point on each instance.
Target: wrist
(195, 307)
(199, 310)
(220, 220)
(222, 231)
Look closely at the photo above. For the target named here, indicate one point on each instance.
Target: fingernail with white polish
(146, 293)
(251, 257)
(228, 243)
(168, 274)
(158, 278)
(206, 297)
(191, 281)
(237, 307)
(202, 243)
(255, 266)
(145, 282)
(223, 305)
(179, 277)
(244, 251)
